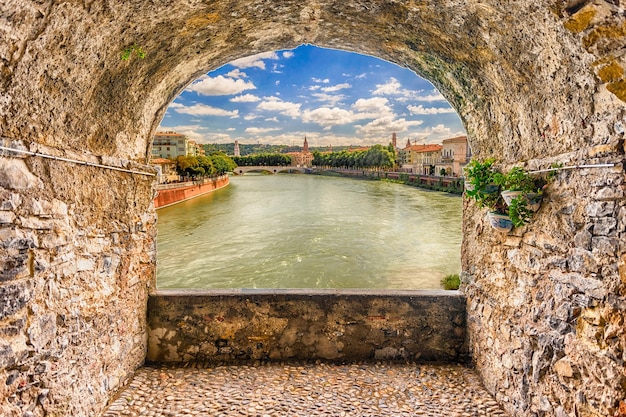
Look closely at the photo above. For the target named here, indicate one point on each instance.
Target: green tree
(222, 163)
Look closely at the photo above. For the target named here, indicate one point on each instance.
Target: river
(306, 231)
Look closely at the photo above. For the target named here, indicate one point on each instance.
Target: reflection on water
(303, 231)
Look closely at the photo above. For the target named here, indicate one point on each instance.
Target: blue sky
(333, 97)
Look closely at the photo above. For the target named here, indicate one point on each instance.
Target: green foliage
(132, 50)
(482, 186)
(451, 282)
(517, 179)
(519, 211)
(204, 166)
(378, 156)
(222, 163)
(264, 159)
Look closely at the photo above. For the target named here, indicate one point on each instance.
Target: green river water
(306, 231)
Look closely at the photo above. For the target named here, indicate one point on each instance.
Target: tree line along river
(307, 231)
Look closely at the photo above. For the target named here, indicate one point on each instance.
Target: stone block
(563, 367)
(609, 193)
(582, 240)
(15, 175)
(7, 217)
(604, 246)
(14, 265)
(604, 226)
(15, 295)
(42, 331)
(13, 327)
(600, 208)
(7, 357)
(581, 260)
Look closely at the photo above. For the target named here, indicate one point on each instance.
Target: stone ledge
(339, 325)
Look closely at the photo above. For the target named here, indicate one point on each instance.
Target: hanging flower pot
(509, 195)
(500, 222)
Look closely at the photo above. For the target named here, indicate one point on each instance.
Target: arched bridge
(271, 169)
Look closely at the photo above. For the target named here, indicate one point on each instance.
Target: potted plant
(480, 183)
(521, 193)
(515, 183)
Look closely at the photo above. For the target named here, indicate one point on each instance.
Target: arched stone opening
(533, 81)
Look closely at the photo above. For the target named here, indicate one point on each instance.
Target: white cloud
(421, 110)
(254, 60)
(220, 86)
(315, 87)
(336, 88)
(328, 117)
(288, 54)
(249, 117)
(259, 130)
(246, 98)
(285, 108)
(236, 73)
(319, 80)
(371, 104)
(390, 88)
(382, 126)
(272, 119)
(394, 88)
(204, 110)
(331, 99)
(231, 129)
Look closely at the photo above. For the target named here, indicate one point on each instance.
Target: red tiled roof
(424, 148)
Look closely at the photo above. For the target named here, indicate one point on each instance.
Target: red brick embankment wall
(168, 196)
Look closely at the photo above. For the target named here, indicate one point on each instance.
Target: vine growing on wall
(132, 50)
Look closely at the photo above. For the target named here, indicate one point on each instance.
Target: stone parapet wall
(77, 259)
(247, 325)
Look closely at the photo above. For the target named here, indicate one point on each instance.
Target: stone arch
(535, 81)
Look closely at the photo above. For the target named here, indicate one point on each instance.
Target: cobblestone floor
(371, 389)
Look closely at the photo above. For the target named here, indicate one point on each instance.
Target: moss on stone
(580, 21)
(604, 32)
(611, 72)
(619, 89)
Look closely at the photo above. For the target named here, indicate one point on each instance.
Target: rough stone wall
(214, 326)
(74, 259)
(534, 82)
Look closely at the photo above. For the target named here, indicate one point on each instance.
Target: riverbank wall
(453, 185)
(170, 194)
(336, 325)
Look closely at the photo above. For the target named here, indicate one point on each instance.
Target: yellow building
(420, 159)
(455, 154)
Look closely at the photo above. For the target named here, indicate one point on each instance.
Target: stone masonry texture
(535, 82)
(186, 326)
